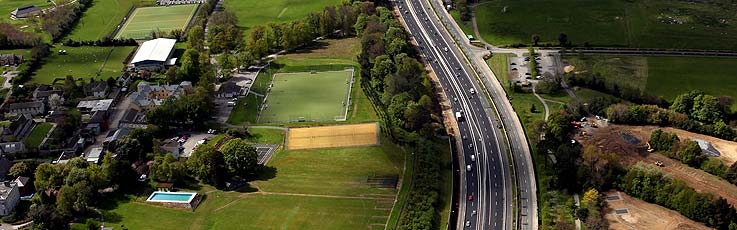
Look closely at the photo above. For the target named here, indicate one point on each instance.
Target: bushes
(599, 83)
(662, 141)
(649, 184)
(653, 115)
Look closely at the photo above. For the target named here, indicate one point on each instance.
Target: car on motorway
(470, 197)
(473, 91)
(473, 213)
(445, 49)
(470, 146)
(468, 168)
(473, 158)
(468, 223)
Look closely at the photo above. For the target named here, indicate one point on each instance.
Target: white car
(468, 168)
(473, 158)
(468, 223)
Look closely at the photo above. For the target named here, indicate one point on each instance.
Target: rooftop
(5, 189)
(155, 50)
(95, 105)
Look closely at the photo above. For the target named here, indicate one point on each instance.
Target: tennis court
(161, 18)
(308, 96)
(333, 136)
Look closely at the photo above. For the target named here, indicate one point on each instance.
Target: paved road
(525, 212)
(485, 186)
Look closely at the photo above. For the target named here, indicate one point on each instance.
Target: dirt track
(645, 216)
(609, 138)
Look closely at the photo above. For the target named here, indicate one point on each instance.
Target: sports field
(101, 19)
(83, 62)
(161, 18)
(306, 96)
(333, 136)
(651, 23)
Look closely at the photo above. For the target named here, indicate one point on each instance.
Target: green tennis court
(307, 96)
(161, 18)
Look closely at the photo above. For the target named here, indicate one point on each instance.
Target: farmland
(101, 19)
(652, 24)
(145, 20)
(251, 13)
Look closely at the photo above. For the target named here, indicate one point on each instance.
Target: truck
(459, 116)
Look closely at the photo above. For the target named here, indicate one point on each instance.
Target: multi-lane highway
(485, 175)
(487, 178)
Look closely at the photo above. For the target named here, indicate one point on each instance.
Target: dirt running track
(609, 139)
(645, 216)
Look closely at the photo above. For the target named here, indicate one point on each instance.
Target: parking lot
(244, 79)
(519, 68)
(192, 141)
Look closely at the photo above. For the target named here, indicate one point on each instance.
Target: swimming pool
(172, 197)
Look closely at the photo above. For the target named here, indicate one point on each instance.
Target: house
(96, 124)
(178, 2)
(10, 59)
(229, 90)
(25, 12)
(92, 106)
(96, 89)
(150, 96)
(25, 108)
(12, 136)
(56, 116)
(154, 54)
(43, 92)
(9, 197)
(24, 187)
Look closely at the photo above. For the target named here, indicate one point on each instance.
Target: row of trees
(597, 82)
(703, 107)
(60, 19)
(396, 83)
(102, 42)
(653, 115)
(223, 32)
(648, 183)
(12, 38)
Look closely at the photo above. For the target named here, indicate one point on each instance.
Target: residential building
(25, 108)
(154, 54)
(12, 136)
(43, 92)
(9, 197)
(96, 89)
(25, 12)
(150, 96)
(24, 187)
(94, 156)
(10, 59)
(133, 119)
(229, 90)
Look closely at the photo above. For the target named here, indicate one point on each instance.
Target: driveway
(190, 143)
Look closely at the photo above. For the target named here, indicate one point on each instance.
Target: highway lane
(487, 185)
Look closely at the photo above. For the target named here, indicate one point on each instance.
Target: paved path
(545, 104)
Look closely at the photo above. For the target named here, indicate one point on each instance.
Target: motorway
(486, 187)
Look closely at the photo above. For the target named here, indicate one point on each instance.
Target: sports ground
(307, 96)
(162, 18)
(333, 136)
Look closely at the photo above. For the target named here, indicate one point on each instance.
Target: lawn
(655, 23)
(83, 62)
(101, 19)
(312, 189)
(306, 96)
(162, 18)
(245, 110)
(252, 13)
(665, 76)
(37, 135)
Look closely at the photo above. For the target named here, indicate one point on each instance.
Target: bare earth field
(645, 216)
(333, 136)
(609, 138)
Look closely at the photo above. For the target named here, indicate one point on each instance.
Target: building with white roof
(154, 54)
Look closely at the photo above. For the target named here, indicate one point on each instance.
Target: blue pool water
(181, 197)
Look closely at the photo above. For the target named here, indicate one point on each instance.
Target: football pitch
(307, 96)
(161, 18)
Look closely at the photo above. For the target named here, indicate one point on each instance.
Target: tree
(196, 38)
(360, 24)
(48, 176)
(535, 39)
(591, 198)
(226, 65)
(23, 168)
(45, 217)
(167, 169)
(208, 165)
(130, 149)
(706, 109)
(75, 198)
(240, 157)
(191, 67)
(533, 109)
(563, 39)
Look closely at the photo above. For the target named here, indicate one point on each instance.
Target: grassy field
(83, 62)
(245, 110)
(251, 13)
(312, 189)
(665, 76)
(306, 96)
(163, 18)
(37, 135)
(656, 23)
(101, 19)
(7, 6)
